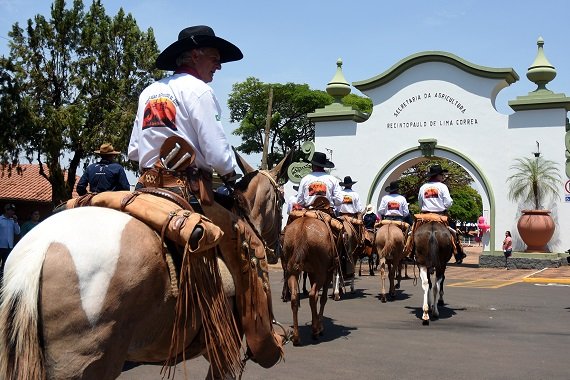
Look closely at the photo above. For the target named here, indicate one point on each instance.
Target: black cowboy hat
(347, 181)
(394, 186)
(195, 37)
(320, 159)
(435, 170)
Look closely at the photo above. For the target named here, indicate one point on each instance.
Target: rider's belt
(160, 177)
(198, 181)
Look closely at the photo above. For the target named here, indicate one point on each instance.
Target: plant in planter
(535, 182)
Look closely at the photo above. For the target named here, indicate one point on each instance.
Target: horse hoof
(296, 342)
(372, 273)
(337, 297)
(440, 303)
(397, 286)
(383, 299)
(425, 323)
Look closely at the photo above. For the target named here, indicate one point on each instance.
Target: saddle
(335, 224)
(398, 223)
(164, 211)
(426, 218)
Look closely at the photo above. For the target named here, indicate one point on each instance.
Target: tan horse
(309, 246)
(89, 289)
(389, 241)
(433, 249)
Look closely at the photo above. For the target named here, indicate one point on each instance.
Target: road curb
(544, 280)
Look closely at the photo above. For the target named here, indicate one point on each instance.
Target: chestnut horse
(390, 241)
(309, 245)
(89, 288)
(433, 249)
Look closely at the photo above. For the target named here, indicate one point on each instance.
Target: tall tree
(289, 126)
(79, 75)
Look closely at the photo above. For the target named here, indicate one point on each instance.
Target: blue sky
(300, 41)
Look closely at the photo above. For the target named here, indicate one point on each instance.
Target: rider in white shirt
(351, 204)
(319, 183)
(434, 197)
(393, 206)
(184, 105)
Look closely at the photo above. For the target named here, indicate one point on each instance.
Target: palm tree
(535, 180)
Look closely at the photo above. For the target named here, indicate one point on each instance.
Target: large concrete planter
(536, 228)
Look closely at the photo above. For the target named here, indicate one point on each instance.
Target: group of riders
(322, 191)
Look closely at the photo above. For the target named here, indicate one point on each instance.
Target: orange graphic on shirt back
(159, 112)
(347, 199)
(317, 188)
(431, 192)
(393, 205)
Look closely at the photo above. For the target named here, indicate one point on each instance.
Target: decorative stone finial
(541, 71)
(338, 87)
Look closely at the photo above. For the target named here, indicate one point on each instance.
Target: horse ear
(243, 165)
(280, 170)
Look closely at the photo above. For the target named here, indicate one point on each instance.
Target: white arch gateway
(435, 104)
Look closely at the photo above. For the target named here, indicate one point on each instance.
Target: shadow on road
(331, 332)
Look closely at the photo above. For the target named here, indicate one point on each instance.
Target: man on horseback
(394, 206)
(351, 204)
(434, 197)
(184, 105)
(318, 184)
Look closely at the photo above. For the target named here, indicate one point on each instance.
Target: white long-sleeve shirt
(185, 106)
(350, 202)
(393, 205)
(434, 197)
(319, 184)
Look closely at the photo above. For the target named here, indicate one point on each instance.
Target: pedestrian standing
(507, 247)
(9, 229)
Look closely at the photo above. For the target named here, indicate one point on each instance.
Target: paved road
(495, 325)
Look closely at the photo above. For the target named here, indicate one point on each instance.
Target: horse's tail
(433, 247)
(388, 243)
(297, 258)
(21, 356)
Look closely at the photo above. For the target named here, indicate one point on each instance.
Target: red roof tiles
(28, 185)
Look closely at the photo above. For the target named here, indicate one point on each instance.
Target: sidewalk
(470, 270)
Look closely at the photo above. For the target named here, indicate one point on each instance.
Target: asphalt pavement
(495, 324)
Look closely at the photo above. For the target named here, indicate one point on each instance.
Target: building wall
(438, 100)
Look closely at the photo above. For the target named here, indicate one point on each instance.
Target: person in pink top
(507, 247)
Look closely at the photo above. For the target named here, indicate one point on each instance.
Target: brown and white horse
(389, 241)
(89, 289)
(433, 249)
(309, 246)
(352, 245)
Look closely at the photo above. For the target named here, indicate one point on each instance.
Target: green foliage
(78, 76)
(535, 181)
(467, 203)
(289, 126)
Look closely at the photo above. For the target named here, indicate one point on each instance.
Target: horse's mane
(243, 183)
